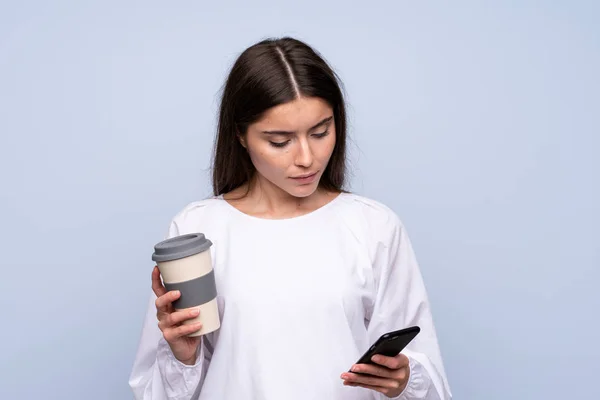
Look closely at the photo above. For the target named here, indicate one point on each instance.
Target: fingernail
(354, 369)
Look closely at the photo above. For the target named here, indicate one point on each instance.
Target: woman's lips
(305, 179)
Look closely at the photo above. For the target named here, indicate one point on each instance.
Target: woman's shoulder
(198, 211)
(374, 216)
(370, 208)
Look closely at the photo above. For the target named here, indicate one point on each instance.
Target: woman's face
(292, 144)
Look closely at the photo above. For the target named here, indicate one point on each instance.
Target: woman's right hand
(170, 322)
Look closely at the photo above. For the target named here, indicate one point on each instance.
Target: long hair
(269, 73)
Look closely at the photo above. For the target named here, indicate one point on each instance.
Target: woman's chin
(303, 190)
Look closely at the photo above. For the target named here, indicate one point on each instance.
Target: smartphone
(390, 344)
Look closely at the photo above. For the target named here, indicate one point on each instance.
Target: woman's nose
(304, 156)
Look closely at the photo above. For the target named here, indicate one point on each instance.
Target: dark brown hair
(269, 73)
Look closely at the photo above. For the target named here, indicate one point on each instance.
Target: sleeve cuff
(418, 382)
(179, 380)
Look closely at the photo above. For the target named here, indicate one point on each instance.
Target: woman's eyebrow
(321, 123)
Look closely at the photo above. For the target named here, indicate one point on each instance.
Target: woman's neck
(260, 198)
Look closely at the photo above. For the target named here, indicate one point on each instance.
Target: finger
(175, 333)
(174, 318)
(371, 380)
(396, 362)
(379, 389)
(375, 370)
(157, 285)
(164, 302)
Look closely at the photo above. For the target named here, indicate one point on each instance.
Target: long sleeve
(401, 301)
(156, 373)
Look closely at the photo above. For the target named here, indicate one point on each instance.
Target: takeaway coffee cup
(185, 264)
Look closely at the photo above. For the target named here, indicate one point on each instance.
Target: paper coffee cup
(185, 264)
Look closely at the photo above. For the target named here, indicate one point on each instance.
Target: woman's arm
(156, 373)
(401, 301)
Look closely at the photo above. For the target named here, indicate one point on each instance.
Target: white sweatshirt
(300, 300)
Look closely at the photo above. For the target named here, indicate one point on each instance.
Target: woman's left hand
(389, 376)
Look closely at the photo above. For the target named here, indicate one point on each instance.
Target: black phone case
(390, 344)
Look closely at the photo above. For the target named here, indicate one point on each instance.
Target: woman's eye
(283, 144)
(279, 144)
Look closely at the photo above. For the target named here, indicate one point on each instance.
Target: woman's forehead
(300, 114)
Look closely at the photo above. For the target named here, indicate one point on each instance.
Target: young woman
(308, 275)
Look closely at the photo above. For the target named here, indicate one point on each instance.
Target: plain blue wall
(478, 123)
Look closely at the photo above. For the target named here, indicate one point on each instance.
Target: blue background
(478, 122)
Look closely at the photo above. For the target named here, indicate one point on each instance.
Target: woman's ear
(242, 141)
